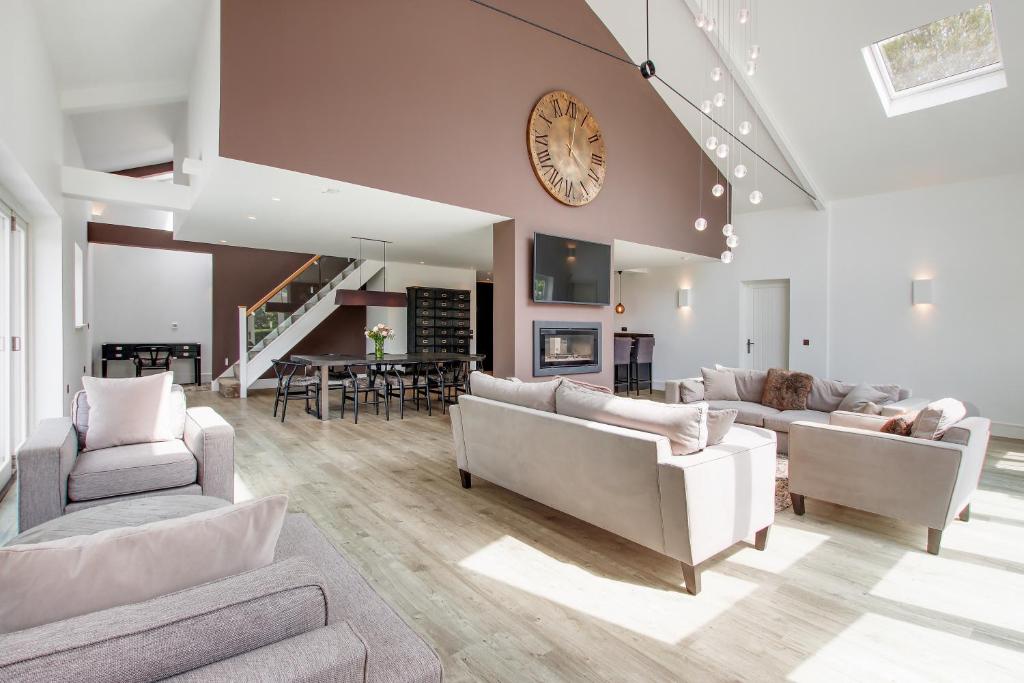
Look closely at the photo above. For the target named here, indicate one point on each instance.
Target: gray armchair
(56, 476)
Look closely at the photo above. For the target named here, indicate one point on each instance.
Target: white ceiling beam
(736, 69)
(122, 96)
(108, 188)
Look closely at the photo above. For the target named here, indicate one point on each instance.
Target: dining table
(325, 361)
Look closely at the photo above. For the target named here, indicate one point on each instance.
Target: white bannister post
(243, 352)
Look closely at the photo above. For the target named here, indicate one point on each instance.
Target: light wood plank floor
(507, 589)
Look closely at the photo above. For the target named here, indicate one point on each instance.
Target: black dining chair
(294, 382)
(623, 363)
(418, 382)
(152, 359)
(643, 364)
(448, 380)
(368, 383)
(397, 381)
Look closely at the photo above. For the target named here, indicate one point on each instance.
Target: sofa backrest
(80, 413)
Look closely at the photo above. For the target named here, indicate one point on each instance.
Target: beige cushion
(131, 469)
(780, 422)
(691, 390)
(586, 385)
(827, 394)
(65, 578)
(127, 411)
(860, 396)
(685, 425)
(719, 424)
(750, 413)
(536, 395)
(842, 418)
(933, 421)
(80, 414)
(749, 383)
(719, 385)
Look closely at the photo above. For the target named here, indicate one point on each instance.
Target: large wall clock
(567, 148)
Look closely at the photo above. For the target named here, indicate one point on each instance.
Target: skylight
(947, 60)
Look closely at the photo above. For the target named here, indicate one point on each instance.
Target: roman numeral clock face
(567, 148)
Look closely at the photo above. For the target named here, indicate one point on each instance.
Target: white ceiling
(307, 219)
(633, 256)
(128, 138)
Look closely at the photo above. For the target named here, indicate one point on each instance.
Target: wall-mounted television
(571, 271)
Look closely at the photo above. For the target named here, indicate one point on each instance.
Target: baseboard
(1007, 430)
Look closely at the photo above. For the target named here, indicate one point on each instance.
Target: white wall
(137, 293)
(708, 332)
(75, 233)
(402, 275)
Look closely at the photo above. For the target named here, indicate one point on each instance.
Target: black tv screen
(571, 271)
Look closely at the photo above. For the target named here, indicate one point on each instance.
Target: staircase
(258, 347)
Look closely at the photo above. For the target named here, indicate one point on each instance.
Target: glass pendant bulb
(727, 229)
(705, 106)
(740, 171)
(719, 99)
(754, 52)
(718, 190)
(722, 151)
(700, 224)
(744, 15)
(756, 197)
(745, 127)
(716, 74)
(709, 26)
(731, 241)
(711, 142)
(619, 308)
(726, 257)
(701, 20)
(751, 68)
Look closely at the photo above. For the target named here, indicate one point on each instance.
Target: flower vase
(378, 349)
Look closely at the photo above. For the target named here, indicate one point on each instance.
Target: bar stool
(643, 357)
(623, 360)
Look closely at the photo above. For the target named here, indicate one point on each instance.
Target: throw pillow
(869, 408)
(585, 385)
(786, 390)
(900, 425)
(535, 395)
(938, 416)
(691, 390)
(827, 394)
(719, 385)
(127, 411)
(77, 575)
(749, 383)
(860, 396)
(685, 425)
(719, 424)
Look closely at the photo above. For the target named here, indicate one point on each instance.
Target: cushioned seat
(752, 414)
(139, 467)
(781, 422)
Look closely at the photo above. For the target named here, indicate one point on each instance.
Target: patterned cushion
(900, 425)
(786, 390)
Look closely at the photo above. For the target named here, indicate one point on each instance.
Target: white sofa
(825, 398)
(689, 507)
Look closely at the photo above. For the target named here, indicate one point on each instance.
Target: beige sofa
(825, 398)
(921, 481)
(689, 507)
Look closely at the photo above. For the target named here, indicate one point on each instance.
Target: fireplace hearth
(566, 348)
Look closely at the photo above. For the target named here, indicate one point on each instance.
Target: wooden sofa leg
(965, 514)
(467, 478)
(798, 503)
(761, 538)
(691, 575)
(934, 540)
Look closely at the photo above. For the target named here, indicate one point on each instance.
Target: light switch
(174, 325)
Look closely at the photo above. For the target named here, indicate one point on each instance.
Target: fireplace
(566, 348)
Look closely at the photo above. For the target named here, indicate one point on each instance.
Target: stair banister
(243, 351)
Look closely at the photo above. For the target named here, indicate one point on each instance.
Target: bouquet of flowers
(379, 333)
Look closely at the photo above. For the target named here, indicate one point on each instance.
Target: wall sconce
(683, 298)
(923, 292)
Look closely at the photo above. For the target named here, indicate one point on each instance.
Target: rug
(782, 500)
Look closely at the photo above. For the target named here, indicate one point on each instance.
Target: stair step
(230, 387)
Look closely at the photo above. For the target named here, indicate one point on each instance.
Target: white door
(765, 328)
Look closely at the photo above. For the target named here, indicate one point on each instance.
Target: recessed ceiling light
(252, 218)
(223, 241)
(275, 199)
(331, 190)
(422, 262)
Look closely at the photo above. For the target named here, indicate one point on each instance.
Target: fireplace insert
(566, 348)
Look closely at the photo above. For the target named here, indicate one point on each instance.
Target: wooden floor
(507, 589)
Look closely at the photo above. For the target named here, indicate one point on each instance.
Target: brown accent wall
(241, 276)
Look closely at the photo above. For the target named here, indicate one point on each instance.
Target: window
(944, 61)
(79, 287)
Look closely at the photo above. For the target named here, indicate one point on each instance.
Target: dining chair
(294, 382)
(623, 362)
(368, 383)
(152, 359)
(643, 359)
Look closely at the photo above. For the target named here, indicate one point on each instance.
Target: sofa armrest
(673, 390)
(907, 405)
(848, 418)
(44, 463)
(896, 476)
(212, 441)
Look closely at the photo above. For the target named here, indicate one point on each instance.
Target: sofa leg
(467, 478)
(798, 503)
(965, 514)
(691, 575)
(761, 538)
(934, 540)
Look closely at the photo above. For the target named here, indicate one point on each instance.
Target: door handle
(15, 343)
(749, 344)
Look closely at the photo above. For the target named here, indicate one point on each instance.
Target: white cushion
(59, 579)
(933, 421)
(749, 383)
(719, 424)
(857, 400)
(80, 414)
(127, 411)
(750, 413)
(685, 424)
(719, 385)
(535, 395)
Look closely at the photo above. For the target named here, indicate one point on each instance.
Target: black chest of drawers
(439, 320)
(126, 351)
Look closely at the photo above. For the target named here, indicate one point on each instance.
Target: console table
(126, 351)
